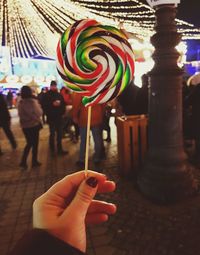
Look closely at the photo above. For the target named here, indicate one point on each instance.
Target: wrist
(75, 237)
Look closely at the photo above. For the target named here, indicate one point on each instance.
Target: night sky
(188, 10)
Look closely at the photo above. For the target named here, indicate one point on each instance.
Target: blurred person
(69, 126)
(34, 92)
(68, 119)
(76, 132)
(1, 153)
(5, 121)
(80, 116)
(188, 133)
(66, 95)
(30, 112)
(106, 119)
(41, 99)
(61, 214)
(193, 100)
(54, 107)
(18, 98)
(141, 101)
(9, 99)
(127, 99)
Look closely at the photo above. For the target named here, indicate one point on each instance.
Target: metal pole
(166, 176)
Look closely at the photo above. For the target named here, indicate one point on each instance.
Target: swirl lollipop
(96, 61)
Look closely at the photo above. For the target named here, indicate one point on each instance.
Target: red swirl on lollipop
(95, 60)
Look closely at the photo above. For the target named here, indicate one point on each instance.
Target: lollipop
(95, 60)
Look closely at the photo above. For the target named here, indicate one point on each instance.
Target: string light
(12, 78)
(102, 7)
(32, 27)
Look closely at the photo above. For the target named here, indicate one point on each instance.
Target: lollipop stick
(87, 140)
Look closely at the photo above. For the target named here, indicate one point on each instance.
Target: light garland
(32, 27)
(12, 78)
(145, 21)
(18, 32)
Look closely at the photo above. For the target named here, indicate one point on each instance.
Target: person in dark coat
(60, 215)
(1, 153)
(54, 107)
(9, 99)
(5, 121)
(141, 102)
(127, 99)
(193, 100)
(40, 99)
(106, 119)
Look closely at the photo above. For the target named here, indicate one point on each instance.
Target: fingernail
(92, 182)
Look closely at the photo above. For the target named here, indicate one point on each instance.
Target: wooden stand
(132, 142)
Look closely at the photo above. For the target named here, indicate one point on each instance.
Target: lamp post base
(165, 185)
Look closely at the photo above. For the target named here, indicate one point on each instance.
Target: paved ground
(138, 228)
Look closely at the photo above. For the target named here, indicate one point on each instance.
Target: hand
(65, 208)
(75, 120)
(56, 103)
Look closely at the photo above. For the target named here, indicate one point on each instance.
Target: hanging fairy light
(118, 8)
(29, 24)
(12, 78)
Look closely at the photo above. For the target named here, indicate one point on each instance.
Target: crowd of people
(61, 214)
(64, 113)
(5, 123)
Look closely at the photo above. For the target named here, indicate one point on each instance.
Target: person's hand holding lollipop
(65, 209)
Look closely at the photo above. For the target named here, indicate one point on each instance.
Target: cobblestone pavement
(138, 228)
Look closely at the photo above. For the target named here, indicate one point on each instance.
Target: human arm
(46, 102)
(62, 105)
(40, 242)
(68, 205)
(76, 105)
(192, 96)
(5, 115)
(37, 109)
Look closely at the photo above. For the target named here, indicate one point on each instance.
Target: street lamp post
(166, 176)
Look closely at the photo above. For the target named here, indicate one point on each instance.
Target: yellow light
(12, 78)
(32, 27)
(26, 79)
(39, 78)
(147, 54)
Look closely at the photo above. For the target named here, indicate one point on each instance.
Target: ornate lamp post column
(166, 176)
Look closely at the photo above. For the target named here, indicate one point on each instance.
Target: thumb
(83, 197)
